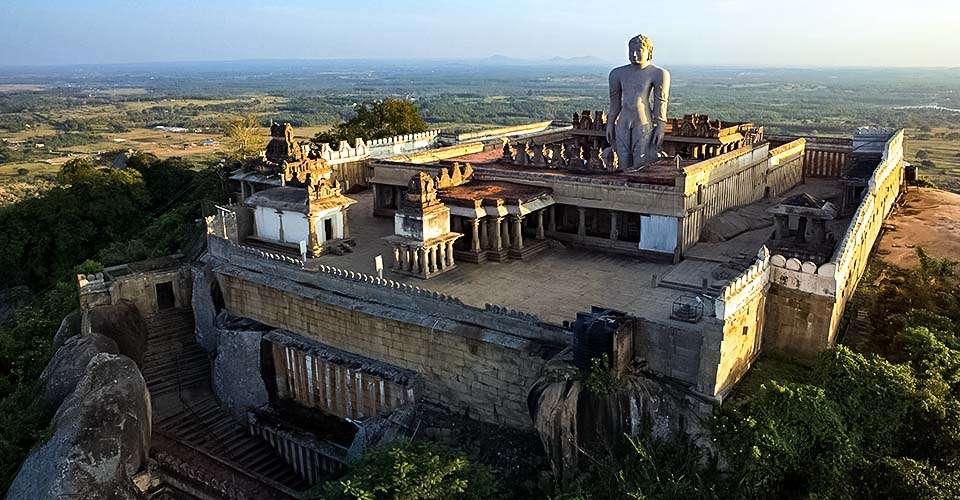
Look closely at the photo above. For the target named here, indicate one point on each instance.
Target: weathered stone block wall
(670, 351)
(460, 370)
(737, 326)
(740, 345)
(797, 321)
(807, 301)
(786, 167)
(727, 181)
(141, 289)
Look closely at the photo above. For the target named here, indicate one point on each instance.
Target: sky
(711, 32)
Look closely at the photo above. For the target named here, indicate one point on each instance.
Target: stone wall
(739, 310)
(138, 288)
(464, 367)
(718, 184)
(786, 167)
(807, 301)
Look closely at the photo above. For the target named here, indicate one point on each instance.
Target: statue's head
(640, 49)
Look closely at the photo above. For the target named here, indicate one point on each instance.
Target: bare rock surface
(69, 327)
(68, 366)
(204, 309)
(928, 218)
(100, 438)
(237, 380)
(123, 323)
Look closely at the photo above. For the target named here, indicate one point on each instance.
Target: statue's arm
(616, 92)
(661, 96)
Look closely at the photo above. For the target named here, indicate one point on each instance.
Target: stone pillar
(819, 235)
(396, 257)
(540, 224)
(475, 236)
(518, 232)
(405, 261)
(553, 219)
(345, 223)
(485, 233)
(313, 241)
(424, 261)
(496, 244)
(449, 253)
(802, 230)
(377, 196)
(415, 260)
(614, 225)
(781, 226)
(433, 267)
(505, 230)
(581, 222)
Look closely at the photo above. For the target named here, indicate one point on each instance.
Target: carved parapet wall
(882, 191)
(344, 152)
(785, 167)
(752, 281)
(377, 148)
(806, 301)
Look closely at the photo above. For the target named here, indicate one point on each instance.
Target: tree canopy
(381, 119)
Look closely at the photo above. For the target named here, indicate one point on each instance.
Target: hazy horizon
(723, 33)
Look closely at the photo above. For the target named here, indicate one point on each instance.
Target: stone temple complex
(391, 287)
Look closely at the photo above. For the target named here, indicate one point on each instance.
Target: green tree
(243, 138)
(789, 438)
(414, 471)
(381, 119)
(76, 170)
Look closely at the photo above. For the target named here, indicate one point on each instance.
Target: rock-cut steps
(178, 375)
(174, 360)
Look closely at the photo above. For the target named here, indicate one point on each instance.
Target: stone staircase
(209, 428)
(186, 411)
(174, 359)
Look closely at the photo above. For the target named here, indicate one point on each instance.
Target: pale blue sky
(721, 32)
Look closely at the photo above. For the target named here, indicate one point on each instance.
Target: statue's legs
(623, 146)
(641, 145)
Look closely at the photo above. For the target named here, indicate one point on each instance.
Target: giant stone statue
(638, 107)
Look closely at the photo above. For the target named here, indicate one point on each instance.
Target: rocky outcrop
(123, 323)
(69, 327)
(204, 309)
(237, 380)
(68, 365)
(100, 439)
(572, 418)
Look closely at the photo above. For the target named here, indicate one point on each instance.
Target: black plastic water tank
(593, 336)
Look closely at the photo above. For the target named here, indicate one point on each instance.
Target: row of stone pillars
(493, 233)
(424, 261)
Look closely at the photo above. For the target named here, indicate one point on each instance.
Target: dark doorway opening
(328, 229)
(216, 295)
(165, 297)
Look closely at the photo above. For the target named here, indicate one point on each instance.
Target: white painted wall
(658, 233)
(266, 222)
(333, 213)
(295, 227)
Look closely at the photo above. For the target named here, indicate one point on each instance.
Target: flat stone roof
(492, 190)
(562, 280)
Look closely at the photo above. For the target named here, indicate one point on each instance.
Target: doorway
(165, 297)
